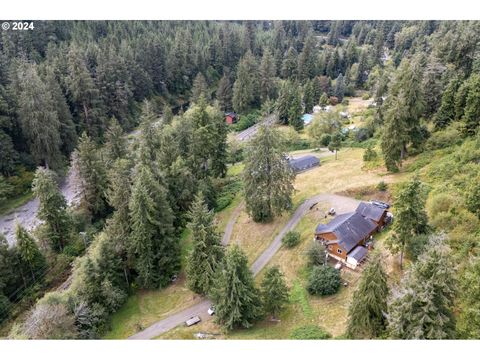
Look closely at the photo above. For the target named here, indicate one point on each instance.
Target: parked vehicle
(381, 204)
(193, 320)
(331, 212)
(211, 310)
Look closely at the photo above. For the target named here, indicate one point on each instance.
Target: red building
(231, 118)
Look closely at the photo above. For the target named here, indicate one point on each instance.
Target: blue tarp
(307, 118)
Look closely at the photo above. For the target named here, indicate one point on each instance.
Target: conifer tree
(268, 177)
(446, 112)
(472, 106)
(339, 91)
(283, 103)
(295, 110)
(154, 245)
(246, 87)
(224, 93)
(335, 143)
(29, 252)
(274, 291)
(366, 315)
(115, 142)
(323, 100)
(199, 88)
(237, 300)
(309, 98)
(91, 172)
(207, 252)
(52, 209)
(289, 65)
(267, 77)
(38, 118)
(422, 308)
(167, 114)
(307, 60)
(410, 216)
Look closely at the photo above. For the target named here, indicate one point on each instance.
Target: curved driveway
(341, 203)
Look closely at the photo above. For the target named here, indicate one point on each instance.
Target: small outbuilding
(304, 163)
(231, 118)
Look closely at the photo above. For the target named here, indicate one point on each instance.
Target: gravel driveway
(341, 203)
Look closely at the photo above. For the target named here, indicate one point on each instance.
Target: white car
(211, 310)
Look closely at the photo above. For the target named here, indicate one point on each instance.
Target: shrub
(316, 254)
(325, 139)
(382, 186)
(369, 154)
(444, 138)
(247, 120)
(366, 96)
(309, 332)
(323, 280)
(291, 239)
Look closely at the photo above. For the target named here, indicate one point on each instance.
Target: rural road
(341, 203)
(247, 134)
(26, 214)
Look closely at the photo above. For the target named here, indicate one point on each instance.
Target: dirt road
(247, 134)
(341, 203)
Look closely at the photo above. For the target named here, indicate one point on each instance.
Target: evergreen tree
(224, 93)
(289, 65)
(307, 60)
(268, 177)
(309, 98)
(237, 300)
(274, 291)
(422, 308)
(153, 242)
(199, 88)
(207, 252)
(362, 70)
(115, 142)
(283, 103)
(90, 170)
(339, 91)
(38, 118)
(366, 315)
(29, 252)
(472, 106)
(295, 110)
(52, 209)
(84, 94)
(267, 77)
(167, 114)
(446, 112)
(246, 87)
(410, 216)
(323, 101)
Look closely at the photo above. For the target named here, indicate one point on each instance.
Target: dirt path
(341, 203)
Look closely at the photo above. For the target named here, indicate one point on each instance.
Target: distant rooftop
(303, 163)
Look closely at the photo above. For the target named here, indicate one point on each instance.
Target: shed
(356, 256)
(231, 118)
(304, 163)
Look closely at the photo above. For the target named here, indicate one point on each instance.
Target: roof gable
(370, 211)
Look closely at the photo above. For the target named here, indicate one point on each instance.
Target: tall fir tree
(468, 325)
(339, 91)
(289, 65)
(410, 216)
(422, 307)
(246, 92)
(267, 77)
(92, 178)
(446, 112)
(224, 93)
(472, 106)
(367, 311)
(52, 209)
(268, 177)
(199, 88)
(207, 252)
(153, 242)
(274, 291)
(115, 142)
(237, 300)
(29, 253)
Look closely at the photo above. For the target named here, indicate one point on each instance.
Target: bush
(366, 96)
(369, 154)
(316, 254)
(444, 138)
(247, 120)
(291, 239)
(382, 186)
(227, 192)
(309, 332)
(325, 139)
(323, 280)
